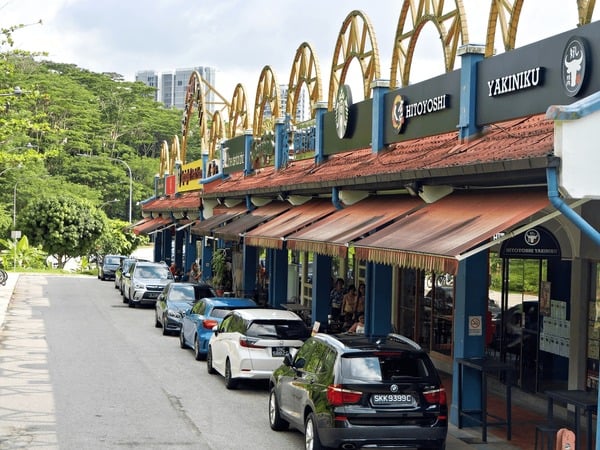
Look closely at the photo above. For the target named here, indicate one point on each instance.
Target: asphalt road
(81, 370)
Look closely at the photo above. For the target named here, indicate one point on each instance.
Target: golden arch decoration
(217, 133)
(238, 112)
(356, 39)
(174, 154)
(507, 14)
(305, 70)
(267, 93)
(164, 159)
(451, 25)
(194, 97)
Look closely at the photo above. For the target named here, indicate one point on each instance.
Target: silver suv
(144, 282)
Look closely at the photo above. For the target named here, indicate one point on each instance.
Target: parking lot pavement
(6, 292)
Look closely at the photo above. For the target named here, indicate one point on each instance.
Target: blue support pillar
(378, 319)
(250, 265)
(321, 287)
(470, 56)
(281, 144)
(278, 264)
(158, 247)
(207, 252)
(167, 245)
(191, 249)
(321, 108)
(470, 306)
(380, 87)
(248, 139)
(179, 241)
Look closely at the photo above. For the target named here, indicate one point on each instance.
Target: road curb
(6, 292)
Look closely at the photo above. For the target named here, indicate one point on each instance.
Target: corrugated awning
(220, 216)
(150, 225)
(332, 234)
(234, 229)
(272, 233)
(434, 237)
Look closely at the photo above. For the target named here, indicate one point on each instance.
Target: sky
(240, 37)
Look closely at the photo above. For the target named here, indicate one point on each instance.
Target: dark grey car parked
(352, 391)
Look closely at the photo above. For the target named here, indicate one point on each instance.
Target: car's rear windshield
(152, 272)
(385, 366)
(112, 260)
(278, 329)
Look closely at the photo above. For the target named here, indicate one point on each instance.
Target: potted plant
(219, 270)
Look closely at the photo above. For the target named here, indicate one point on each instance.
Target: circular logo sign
(573, 66)
(398, 117)
(532, 237)
(343, 100)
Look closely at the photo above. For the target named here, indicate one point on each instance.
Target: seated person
(358, 327)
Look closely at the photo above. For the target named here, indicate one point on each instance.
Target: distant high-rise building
(302, 112)
(149, 78)
(173, 86)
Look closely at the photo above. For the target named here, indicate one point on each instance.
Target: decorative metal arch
(356, 39)
(305, 69)
(507, 13)
(585, 9)
(193, 97)
(238, 112)
(451, 25)
(267, 92)
(217, 133)
(164, 159)
(174, 154)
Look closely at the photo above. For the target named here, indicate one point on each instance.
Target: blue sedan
(198, 322)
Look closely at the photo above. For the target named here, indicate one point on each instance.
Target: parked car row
(342, 391)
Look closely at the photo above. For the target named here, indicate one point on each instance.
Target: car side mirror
(288, 360)
(126, 275)
(299, 363)
(216, 330)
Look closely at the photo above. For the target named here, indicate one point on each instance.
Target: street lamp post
(128, 171)
(16, 234)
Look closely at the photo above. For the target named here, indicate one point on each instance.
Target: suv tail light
(338, 396)
(209, 324)
(436, 396)
(250, 343)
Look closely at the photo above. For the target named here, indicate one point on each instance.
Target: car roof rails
(404, 340)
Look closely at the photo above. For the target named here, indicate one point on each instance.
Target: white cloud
(239, 37)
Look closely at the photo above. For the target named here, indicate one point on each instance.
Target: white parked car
(251, 343)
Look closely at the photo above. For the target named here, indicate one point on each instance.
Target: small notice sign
(475, 326)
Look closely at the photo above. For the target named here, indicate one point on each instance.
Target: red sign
(170, 185)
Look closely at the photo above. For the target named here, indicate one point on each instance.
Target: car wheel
(230, 382)
(131, 304)
(197, 353)
(156, 321)
(311, 434)
(275, 420)
(182, 343)
(209, 367)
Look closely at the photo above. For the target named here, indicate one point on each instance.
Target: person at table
(336, 297)
(195, 273)
(349, 303)
(358, 326)
(360, 300)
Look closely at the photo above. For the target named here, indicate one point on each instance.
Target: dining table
(583, 401)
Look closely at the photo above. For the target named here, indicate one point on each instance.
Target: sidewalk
(6, 294)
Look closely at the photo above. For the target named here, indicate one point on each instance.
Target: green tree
(65, 227)
(118, 239)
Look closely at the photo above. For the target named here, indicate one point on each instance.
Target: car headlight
(138, 285)
(176, 314)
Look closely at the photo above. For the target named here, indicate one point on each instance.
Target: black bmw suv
(351, 391)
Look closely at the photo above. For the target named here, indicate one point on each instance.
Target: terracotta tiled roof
(187, 201)
(516, 140)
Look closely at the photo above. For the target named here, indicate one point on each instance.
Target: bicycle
(3, 277)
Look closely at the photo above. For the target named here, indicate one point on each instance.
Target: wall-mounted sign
(343, 100)
(535, 243)
(402, 110)
(574, 63)
(189, 176)
(524, 79)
